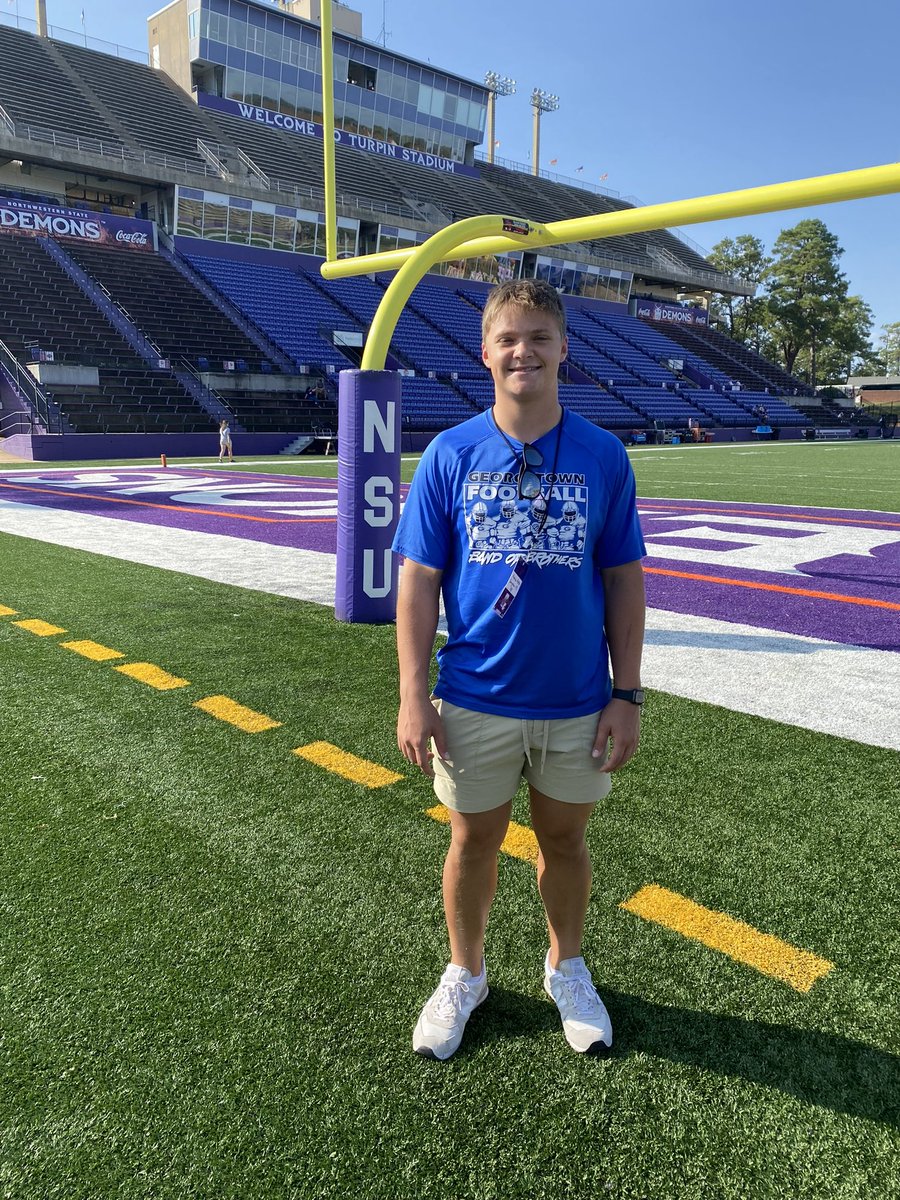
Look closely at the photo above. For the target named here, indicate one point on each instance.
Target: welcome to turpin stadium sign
(354, 141)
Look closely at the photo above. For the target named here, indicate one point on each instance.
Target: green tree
(848, 344)
(807, 295)
(889, 347)
(743, 318)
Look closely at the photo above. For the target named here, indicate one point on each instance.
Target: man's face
(522, 351)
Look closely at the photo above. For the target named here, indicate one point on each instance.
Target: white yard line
(814, 684)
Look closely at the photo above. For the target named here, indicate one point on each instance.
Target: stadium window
(237, 34)
(306, 237)
(262, 229)
(256, 40)
(424, 105)
(193, 25)
(271, 95)
(347, 236)
(419, 143)
(274, 45)
(379, 132)
(253, 88)
(190, 217)
(283, 233)
(215, 221)
(449, 108)
(291, 52)
(437, 103)
(234, 83)
(239, 226)
(288, 102)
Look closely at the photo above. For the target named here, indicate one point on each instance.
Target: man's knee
(476, 834)
(561, 842)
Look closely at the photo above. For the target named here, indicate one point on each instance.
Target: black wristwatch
(633, 696)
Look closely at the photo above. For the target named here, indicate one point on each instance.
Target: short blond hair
(529, 294)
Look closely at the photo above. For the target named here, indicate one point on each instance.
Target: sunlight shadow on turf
(817, 1068)
(746, 642)
(508, 1016)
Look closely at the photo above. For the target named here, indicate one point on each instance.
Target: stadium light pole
(41, 14)
(541, 102)
(497, 85)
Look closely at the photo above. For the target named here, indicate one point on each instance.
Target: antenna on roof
(385, 32)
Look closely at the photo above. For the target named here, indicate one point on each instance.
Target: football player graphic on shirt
(481, 527)
(512, 528)
(570, 530)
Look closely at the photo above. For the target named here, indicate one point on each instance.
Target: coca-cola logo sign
(135, 238)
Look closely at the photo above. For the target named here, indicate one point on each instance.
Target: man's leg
(470, 881)
(564, 879)
(564, 871)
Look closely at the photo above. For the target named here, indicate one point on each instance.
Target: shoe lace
(447, 1002)
(582, 996)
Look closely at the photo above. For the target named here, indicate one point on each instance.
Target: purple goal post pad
(368, 496)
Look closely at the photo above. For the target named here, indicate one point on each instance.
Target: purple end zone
(823, 573)
(368, 495)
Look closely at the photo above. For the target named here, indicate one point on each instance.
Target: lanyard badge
(504, 601)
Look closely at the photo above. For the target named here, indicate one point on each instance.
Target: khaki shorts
(488, 756)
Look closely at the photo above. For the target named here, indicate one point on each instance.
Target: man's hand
(620, 722)
(417, 723)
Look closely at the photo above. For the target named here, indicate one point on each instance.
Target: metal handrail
(25, 383)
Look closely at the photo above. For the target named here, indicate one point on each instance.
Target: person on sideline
(225, 441)
(524, 517)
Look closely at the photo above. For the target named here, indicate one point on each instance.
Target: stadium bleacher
(622, 372)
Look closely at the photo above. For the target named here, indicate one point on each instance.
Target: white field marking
(279, 570)
(824, 686)
(829, 687)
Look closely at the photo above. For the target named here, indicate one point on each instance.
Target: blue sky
(668, 100)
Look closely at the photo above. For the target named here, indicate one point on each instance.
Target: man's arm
(625, 606)
(418, 607)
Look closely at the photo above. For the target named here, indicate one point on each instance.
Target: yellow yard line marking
(41, 628)
(520, 841)
(236, 714)
(92, 650)
(7, 612)
(358, 770)
(739, 941)
(154, 677)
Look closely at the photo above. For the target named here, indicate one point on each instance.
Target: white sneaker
(586, 1022)
(442, 1021)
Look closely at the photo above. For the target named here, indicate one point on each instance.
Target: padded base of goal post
(368, 496)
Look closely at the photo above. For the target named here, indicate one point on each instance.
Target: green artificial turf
(213, 952)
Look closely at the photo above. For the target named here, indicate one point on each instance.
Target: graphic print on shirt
(503, 528)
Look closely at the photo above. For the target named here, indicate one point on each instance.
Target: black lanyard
(546, 499)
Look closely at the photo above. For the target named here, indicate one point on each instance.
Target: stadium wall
(81, 447)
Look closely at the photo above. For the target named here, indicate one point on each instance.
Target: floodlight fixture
(500, 85)
(544, 101)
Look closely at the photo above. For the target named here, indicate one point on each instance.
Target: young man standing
(524, 518)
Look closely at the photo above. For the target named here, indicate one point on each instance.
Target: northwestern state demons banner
(100, 229)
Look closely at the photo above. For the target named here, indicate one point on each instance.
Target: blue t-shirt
(547, 656)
